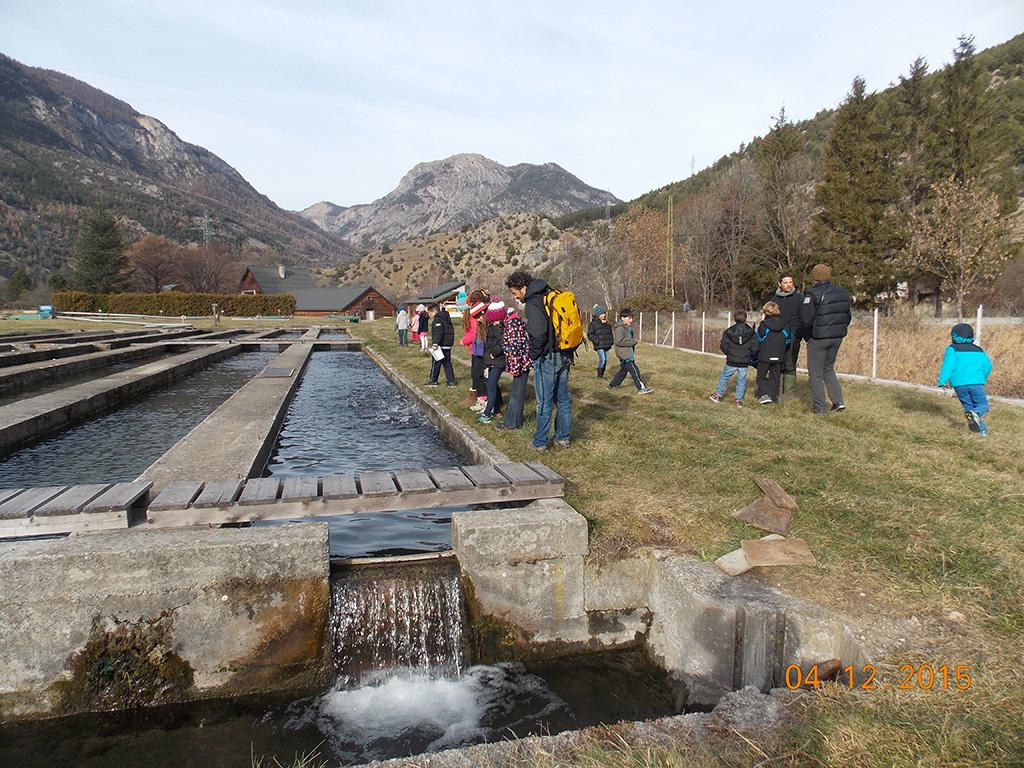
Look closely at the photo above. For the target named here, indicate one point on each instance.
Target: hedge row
(174, 304)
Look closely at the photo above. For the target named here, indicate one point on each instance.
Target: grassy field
(917, 525)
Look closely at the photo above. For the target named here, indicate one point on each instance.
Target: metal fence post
(874, 347)
(673, 329)
(703, 320)
(977, 324)
(655, 326)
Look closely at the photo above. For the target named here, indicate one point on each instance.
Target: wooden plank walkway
(186, 503)
(67, 509)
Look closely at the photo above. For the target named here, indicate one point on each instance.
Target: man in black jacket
(789, 300)
(550, 365)
(442, 334)
(824, 317)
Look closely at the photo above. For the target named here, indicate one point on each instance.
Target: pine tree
(98, 256)
(966, 115)
(19, 282)
(855, 230)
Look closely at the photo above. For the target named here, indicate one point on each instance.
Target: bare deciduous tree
(153, 263)
(209, 269)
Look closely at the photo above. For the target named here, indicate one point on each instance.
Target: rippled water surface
(118, 446)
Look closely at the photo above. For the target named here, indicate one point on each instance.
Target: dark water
(403, 713)
(79, 378)
(346, 417)
(118, 446)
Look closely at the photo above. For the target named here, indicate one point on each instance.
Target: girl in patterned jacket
(516, 345)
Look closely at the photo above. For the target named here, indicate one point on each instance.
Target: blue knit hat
(599, 310)
(962, 333)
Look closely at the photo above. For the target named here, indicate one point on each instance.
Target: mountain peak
(465, 188)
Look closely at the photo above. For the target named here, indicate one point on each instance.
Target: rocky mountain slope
(447, 194)
(65, 146)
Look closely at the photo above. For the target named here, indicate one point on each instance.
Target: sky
(338, 100)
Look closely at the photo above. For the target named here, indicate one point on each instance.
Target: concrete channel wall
(113, 620)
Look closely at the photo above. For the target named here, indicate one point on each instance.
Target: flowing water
(347, 416)
(119, 445)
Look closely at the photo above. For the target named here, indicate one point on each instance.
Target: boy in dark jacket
(966, 367)
(773, 339)
(600, 334)
(625, 350)
(739, 345)
(494, 358)
(442, 336)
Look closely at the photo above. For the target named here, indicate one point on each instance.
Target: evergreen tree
(98, 257)
(966, 117)
(855, 229)
(19, 283)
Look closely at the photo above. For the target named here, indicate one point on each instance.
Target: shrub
(174, 303)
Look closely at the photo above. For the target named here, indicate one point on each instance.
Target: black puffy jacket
(739, 344)
(825, 313)
(538, 324)
(774, 339)
(494, 352)
(442, 332)
(789, 309)
(600, 334)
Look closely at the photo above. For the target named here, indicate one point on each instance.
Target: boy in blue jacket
(966, 367)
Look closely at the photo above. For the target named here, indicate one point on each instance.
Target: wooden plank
(413, 481)
(176, 495)
(764, 514)
(22, 505)
(775, 492)
(340, 487)
(778, 552)
(118, 497)
(72, 501)
(300, 488)
(485, 476)
(450, 478)
(520, 474)
(545, 471)
(260, 490)
(376, 483)
(218, 492)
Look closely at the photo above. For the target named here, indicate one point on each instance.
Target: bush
(651, 301)
(174, 303)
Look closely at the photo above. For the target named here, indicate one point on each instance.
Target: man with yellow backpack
(555, 330)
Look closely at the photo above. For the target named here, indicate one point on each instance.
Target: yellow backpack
(565, 319)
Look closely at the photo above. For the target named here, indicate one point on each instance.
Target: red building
(310, 299)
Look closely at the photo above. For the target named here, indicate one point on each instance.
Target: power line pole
(206, 225)
(670, 255)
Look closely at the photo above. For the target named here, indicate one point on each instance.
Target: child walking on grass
(966, 368)
(773, 341)
(625, 350)
(739, 345)
(494, 358)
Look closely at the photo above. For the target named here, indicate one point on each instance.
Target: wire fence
(902, 347)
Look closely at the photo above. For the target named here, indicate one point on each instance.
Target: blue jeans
(602, 358)
(494, 400)
(551, 386)
(741, 380)
(516, 400)
(973, 398)
(403, 337)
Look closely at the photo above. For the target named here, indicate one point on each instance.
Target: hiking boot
(715, 398)
(645, 391)
(838, 407)
(738, 403)
(973, 421)
(765, 400)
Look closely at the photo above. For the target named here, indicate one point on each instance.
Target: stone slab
(542, 530)
(763, 552)
(619, 584)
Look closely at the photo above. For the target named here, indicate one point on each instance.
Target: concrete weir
(235, 440)
(29, 419)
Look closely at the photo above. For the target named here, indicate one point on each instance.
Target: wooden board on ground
(486, 476)
(73, 500)
(775, 492)
(299, 488)
(260, 490)
(218, 492)
(376, 483)
(340, 487)
(450, 478)
(764, 514)
(777, 552)
(520, 474)
(20, 507)
(118, 497)
(63, 509)
(409, 481)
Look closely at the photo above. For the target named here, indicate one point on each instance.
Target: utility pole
(206, 225)
(670, 257)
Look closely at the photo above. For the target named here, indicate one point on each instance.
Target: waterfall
(397, 618)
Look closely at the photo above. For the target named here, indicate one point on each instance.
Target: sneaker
(715, 398)
(562, 443)
(973, 421)
(645, 391)
(452, 384)
(433, 384)
(738, 403)
(982, 427)
(485, 419)
(838, 407)
(478, 407)
(502, 428)
(538, 447)
(765, 400)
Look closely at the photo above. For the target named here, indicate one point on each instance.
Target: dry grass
(910, 516)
